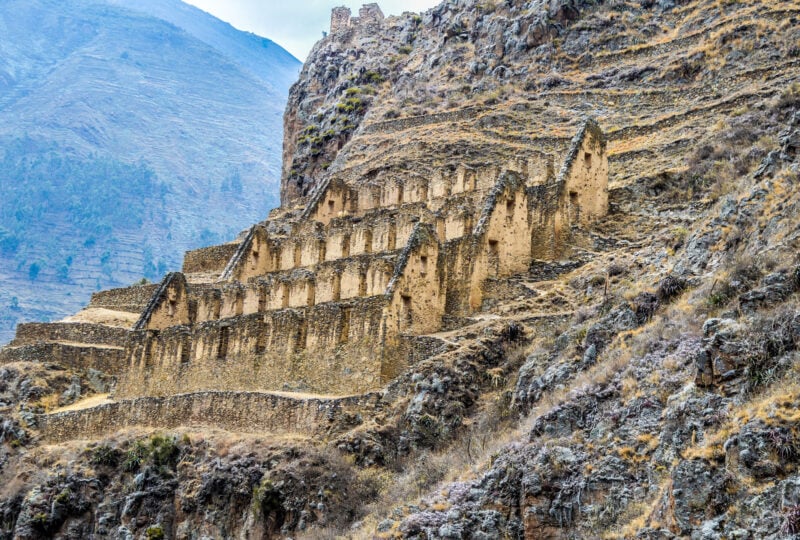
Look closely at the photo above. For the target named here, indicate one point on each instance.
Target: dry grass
(779, 405)
(93, 401)
(121, 319)
(639, 515)
(486, 433)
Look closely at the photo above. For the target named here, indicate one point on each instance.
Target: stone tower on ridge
(340, 19)
(370, 15)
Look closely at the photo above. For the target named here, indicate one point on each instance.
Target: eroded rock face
(363, 74)
(140, 488)
(342, 78)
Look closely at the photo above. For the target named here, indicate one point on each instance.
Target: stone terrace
(336, 299)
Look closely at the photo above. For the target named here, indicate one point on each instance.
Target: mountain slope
(258, 55)
(643, 387)
(95, 83)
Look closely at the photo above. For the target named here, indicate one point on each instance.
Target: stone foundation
(29, 333)
(111, 360)
(242, 412)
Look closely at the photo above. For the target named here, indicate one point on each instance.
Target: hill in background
(129, 132)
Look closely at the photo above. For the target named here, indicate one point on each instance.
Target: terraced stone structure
(335, 295)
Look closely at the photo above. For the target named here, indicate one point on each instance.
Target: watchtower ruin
(369, 16)
(340, 19)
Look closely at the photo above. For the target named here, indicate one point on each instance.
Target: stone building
(370, 15)
(342, 297)
(340, 19)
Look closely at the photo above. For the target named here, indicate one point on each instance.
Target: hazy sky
(294, 24)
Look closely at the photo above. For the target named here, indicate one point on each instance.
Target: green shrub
(41, 521)
(106, 456)
(267, 499)
(164, 450)
(373, 77)
(351, 104)
(63, 497)
(134, 457)
(155, 532)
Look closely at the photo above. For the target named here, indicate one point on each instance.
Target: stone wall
(415, 194)
(507, 238)
(335, 200)
(131, 299)
(416, 289)
(340, 19)
(29, 333)
(400, 124)
(584, 177)
(105, 358)
(242, 412)
(369, 16)
(336, 347)
(548, 236)
(210, 259)
(169, 305)
(343, 277)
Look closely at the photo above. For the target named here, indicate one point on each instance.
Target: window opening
(222, 349)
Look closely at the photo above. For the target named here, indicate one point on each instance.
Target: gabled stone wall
(584, 177)
(168, 307)
(210, 259)
(336, 299)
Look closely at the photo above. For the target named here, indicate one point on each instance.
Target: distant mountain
(262, 57)
(129, 131)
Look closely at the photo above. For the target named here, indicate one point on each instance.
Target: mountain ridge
(209, 29)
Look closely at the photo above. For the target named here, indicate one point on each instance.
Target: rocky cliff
(640, 384)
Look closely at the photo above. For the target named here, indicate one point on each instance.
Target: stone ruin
(340, 19)
(368, 16)
(337, 300)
